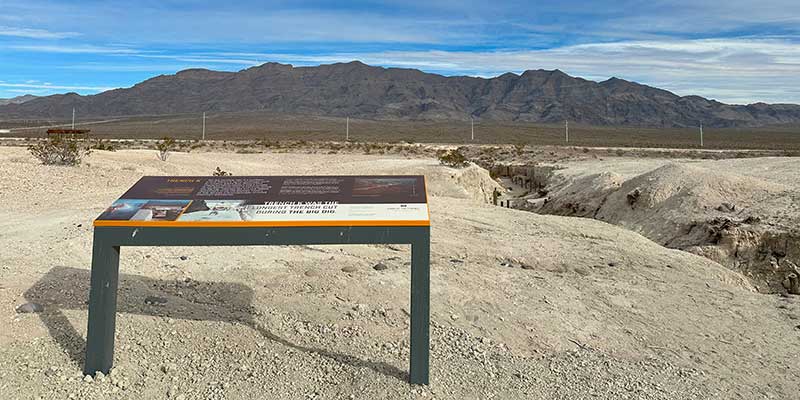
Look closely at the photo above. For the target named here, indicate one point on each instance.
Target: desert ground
(523, 305)
(259, 125)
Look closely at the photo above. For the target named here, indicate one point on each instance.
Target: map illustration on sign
(271, 200)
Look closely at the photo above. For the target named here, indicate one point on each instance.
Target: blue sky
(736, 51)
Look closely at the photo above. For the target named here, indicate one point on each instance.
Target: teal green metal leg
(420, 309)
(102, 307)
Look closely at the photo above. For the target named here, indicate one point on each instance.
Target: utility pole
(347, 131)
(73, 118)
(204, 125)
(701, 135)
(472, 127)
(566, 131)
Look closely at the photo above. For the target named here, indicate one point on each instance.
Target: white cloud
(75, 49)
(34, 33)
(730, 70)
(50, 87)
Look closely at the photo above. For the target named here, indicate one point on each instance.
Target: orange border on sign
(256, 224)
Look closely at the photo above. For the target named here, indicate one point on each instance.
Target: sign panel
(271, 201)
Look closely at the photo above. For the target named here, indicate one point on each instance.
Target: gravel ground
(524, 306)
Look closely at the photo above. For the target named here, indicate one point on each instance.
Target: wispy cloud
(35, 33)
(74, 49)
(24, 86)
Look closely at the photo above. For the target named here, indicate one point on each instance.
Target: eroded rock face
(739, 221)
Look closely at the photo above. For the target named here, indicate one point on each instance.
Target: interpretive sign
(271, 201)
(261, 210)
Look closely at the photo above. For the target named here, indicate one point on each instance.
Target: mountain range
(358, 90)
(17, 100)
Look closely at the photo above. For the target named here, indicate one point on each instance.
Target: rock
(792, 283)
(88, 379)
(456, 261)
(527, 266)
(183, 258)
(311, 273)
(612, 263)
(380, 267)
(633, 196)
(349, 269)
(155, 301)
(169, 368)
(30, 308)
(453, 317)
(726, 207)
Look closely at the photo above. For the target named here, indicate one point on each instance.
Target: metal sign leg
(420, 309)
(102, 308)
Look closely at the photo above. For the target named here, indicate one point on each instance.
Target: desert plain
(590, 304)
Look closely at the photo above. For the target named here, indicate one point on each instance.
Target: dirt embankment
(747, 223)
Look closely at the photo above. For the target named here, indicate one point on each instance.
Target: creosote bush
(57, 150)
(164, 147)
(221, 172)
(452, 158)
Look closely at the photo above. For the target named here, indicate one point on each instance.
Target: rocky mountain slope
(358, 90)
(17, 100)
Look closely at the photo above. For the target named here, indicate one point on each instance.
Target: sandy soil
(524, 306)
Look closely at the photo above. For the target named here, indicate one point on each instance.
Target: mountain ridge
(358, 90)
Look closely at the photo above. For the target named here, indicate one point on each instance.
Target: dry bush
(221, 172)
(452, 158)
(104, 145)
(519, 147)
(164, 147)
(57, 150)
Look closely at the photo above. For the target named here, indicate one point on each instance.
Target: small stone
(169, 368)
(612, 263)
(30, 308)
(52, 371)
(360, 307)
(726, 207)
(88, 379)
(155, 301)
(527, 266)
(380, 267)
(456, 261)
(453, 317)
(349, 269)
(312, 273)
(183, 258)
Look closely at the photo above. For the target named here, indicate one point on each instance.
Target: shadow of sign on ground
(67, 288)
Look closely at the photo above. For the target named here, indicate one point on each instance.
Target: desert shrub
(452, 158)
(58, 150)
(104, 145)
(519, 148)
(164, 147)
(221, 172)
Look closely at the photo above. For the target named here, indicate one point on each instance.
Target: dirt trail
(524, 306)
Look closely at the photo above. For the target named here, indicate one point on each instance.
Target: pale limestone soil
(286, 322)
